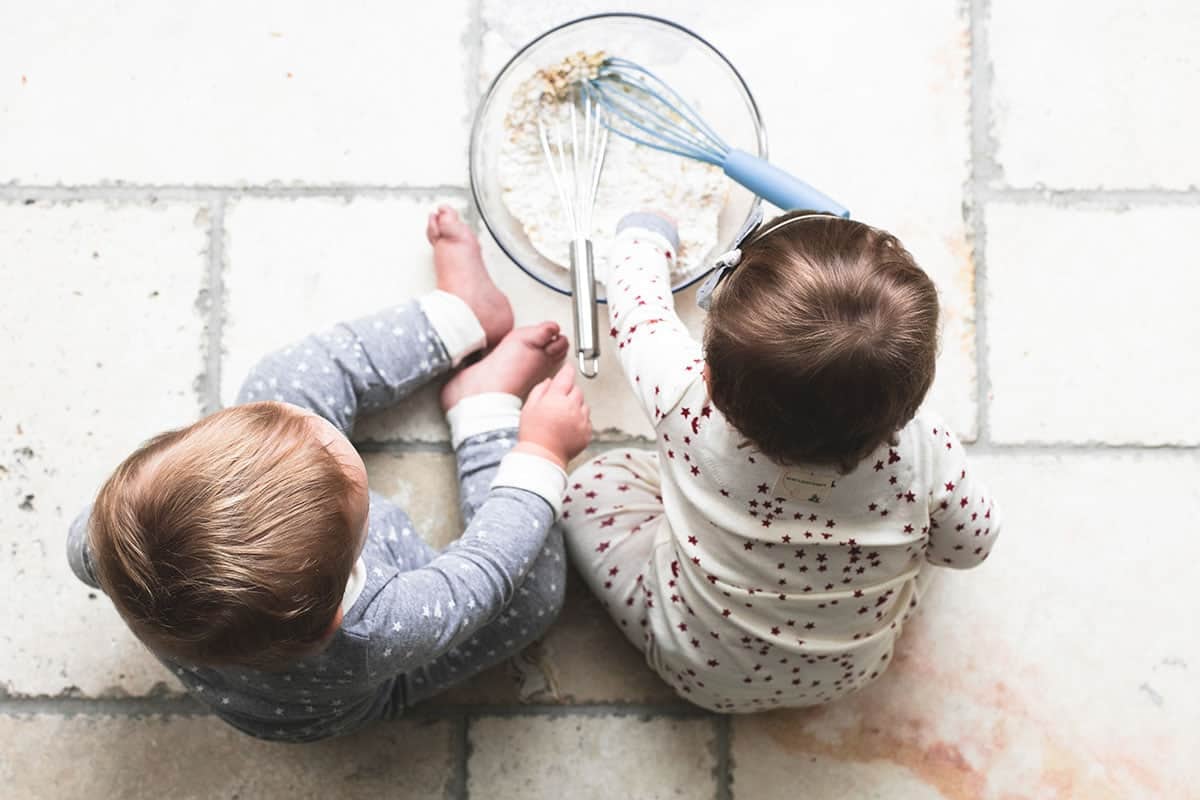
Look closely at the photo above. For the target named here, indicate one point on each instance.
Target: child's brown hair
(228, 542)
(821, 343)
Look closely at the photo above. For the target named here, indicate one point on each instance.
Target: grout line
(210, 397)
(1115, 199)
(722, 770)
(642, 711)
(178, 706)
(1080, 448)
(989, 190)
(202, 192)
(183, 705)
(983, 170)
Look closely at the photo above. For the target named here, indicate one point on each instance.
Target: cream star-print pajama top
(749, 586)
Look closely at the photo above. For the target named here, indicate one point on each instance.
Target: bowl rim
(487, 95)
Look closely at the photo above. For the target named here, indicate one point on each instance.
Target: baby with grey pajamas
(413, 620)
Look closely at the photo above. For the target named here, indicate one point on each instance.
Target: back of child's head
(227, 543)
(821, 344)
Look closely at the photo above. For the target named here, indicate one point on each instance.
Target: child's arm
(422, 614)
(963, 523)
(657, 353)
(369, 363)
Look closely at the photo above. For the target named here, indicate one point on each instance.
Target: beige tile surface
(233, 93)
(297, 266)
(190, 758)
(1081, 89)
(425, 485)
(772, 762)
(102, 349)
(1093, 324)
(590, 757)
(1063, 668)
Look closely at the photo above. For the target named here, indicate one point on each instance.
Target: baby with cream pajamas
(750, 585)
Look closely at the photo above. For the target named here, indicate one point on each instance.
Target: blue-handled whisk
(643, 108)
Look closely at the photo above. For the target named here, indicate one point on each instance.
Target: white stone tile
(425, 485)
(295, 267)
(770, 762)
(1089, 316)
(103, 345)
(1092, 94)
(890, 142)
(590, 757)
(229, 93)
(1060, 668)
(200, 757)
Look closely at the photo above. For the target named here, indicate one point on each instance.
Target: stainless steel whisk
(650, 112)
(574, 144)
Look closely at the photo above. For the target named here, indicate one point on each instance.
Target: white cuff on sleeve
(483, 413)
(533, 474)
(455, 324)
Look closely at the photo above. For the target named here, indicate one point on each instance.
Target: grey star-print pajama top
(424, 620)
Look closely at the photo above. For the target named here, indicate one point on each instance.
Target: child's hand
(556, 422)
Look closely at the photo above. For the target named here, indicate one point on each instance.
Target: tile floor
(185, 187)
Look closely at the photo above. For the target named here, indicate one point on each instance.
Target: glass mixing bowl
(661, 46)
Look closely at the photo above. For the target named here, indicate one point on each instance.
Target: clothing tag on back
(806, 484)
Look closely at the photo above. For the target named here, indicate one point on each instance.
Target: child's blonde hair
(228, 542)
(821, 344)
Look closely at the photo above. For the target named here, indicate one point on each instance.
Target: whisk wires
(574, 149)
(652, 113)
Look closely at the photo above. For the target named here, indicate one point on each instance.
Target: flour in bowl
(635, 178)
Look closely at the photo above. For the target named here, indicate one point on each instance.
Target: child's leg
(612, 508)
(458, 262)
(468, 310)
(538, 600)
(372, 363)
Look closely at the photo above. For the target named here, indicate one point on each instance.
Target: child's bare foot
(460, 272)
(524, 358)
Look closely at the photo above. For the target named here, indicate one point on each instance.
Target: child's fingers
(536, 393)
(564, 379)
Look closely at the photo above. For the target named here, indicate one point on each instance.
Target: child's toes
(542, 334)
(431, 228)
(451, 225)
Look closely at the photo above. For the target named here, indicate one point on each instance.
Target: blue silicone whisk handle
(777, 187)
